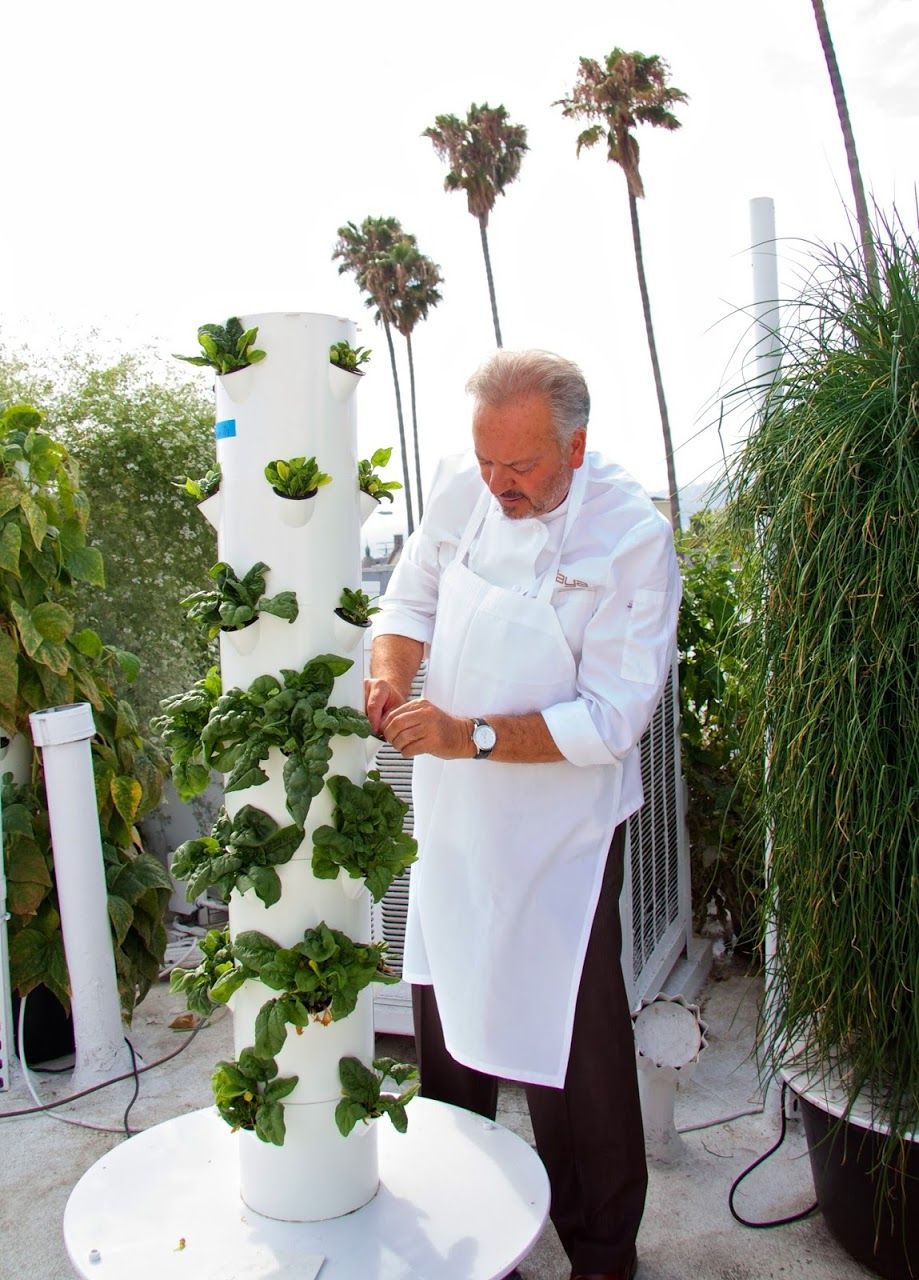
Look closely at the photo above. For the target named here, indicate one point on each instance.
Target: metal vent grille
(658, 867)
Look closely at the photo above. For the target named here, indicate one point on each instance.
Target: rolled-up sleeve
(628, 647)
(410, 602)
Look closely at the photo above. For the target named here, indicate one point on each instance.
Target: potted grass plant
(828, 485)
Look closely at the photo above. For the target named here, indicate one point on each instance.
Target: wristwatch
(483, 739)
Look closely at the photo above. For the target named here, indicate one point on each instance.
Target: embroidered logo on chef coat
(570, 582)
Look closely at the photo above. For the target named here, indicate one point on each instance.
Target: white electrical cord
(27, 1076)
(711, 1124)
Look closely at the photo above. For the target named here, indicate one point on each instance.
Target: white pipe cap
(56, 726)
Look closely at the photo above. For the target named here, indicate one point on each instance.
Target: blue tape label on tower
(223, 430)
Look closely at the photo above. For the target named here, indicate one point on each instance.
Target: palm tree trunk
(491, 282)
(405, 471)
(411, 383)
(855, 173)
(655, 365)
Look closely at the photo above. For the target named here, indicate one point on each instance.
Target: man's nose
(500, 479)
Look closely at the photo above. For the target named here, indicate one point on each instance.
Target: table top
(460, 1198)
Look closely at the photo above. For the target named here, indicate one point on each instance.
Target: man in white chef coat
(542, 585)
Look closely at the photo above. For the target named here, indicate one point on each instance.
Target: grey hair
(509, 375)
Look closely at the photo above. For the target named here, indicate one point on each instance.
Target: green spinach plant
(320, 979)
(234, 602)
(295, 477)
(348, 357)
(241, 853)
(363, 1098)
(369, 482)
(355, 607)
(291, 714)
(367, 840)
(214, 979)
(180, 727)
(226, 348)
(248, 1095)
(204, 487)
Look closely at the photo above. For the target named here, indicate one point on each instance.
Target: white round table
(459, 1199)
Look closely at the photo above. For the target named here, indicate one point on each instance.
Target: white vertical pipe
(767, 358)
(766, 314)
(63, 734)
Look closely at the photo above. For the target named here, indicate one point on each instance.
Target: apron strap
(575, 499)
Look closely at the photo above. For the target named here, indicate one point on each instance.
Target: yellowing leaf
(127, 794)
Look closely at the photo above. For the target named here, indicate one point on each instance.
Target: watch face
(484, 737)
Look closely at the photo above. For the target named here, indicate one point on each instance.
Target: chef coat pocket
(641, 647)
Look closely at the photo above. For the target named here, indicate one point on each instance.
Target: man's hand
(419, 728)
(380, 700)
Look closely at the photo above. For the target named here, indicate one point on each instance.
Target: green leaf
(9, 681)
(52, 622)
(10, 546)
(85, 565)
(349, 1113)
(35, 518)
(87, 642)
(127, 662)
(121, 915)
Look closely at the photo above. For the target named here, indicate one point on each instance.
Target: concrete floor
(687, 1233)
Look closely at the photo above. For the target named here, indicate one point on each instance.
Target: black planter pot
(846, 1165)
(48, 1030)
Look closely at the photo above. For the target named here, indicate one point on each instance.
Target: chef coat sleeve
(410, 602)
(627, 650)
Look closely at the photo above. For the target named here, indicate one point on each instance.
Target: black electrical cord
(129, 1075)
(777, 1222)
(127, 1110)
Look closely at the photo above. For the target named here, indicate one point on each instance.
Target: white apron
(511, 860)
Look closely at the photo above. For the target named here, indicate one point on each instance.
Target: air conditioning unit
(655, 906)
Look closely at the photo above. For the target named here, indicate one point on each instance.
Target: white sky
(170, 164)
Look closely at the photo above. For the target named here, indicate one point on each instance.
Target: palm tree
(365, 251)
(484, 152)
(848, 137)
(416, 278)
(627, 90)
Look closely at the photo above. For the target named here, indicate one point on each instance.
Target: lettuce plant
(362, 1097)
(348, 357)
(369, 482)
(248, 1095)
(204, 487)
(236, 602)
(225, 348)
(295, 477)
(215, 979)
(355, 607)
(320, 979)
(291, 714)
(240, 853)
(367, 839)
(180, 727)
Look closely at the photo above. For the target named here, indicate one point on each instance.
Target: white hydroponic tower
(295, 403)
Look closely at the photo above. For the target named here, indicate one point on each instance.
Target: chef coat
(571, 614)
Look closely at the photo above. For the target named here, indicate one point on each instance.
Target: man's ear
(577, 447)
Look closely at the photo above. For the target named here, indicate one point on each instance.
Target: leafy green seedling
(248, 1096)
(240, 853)
(369, 482)
(204, 487)
(320, 979)
(367, 840)
(348, 357)
(226, 347)
(362, 1097)
(215, 978)
(181, 725)
(291, 714)
(295, 477)
(234, 602)
(355, 607)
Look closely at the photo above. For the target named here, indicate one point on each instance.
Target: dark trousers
(588, 1134)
